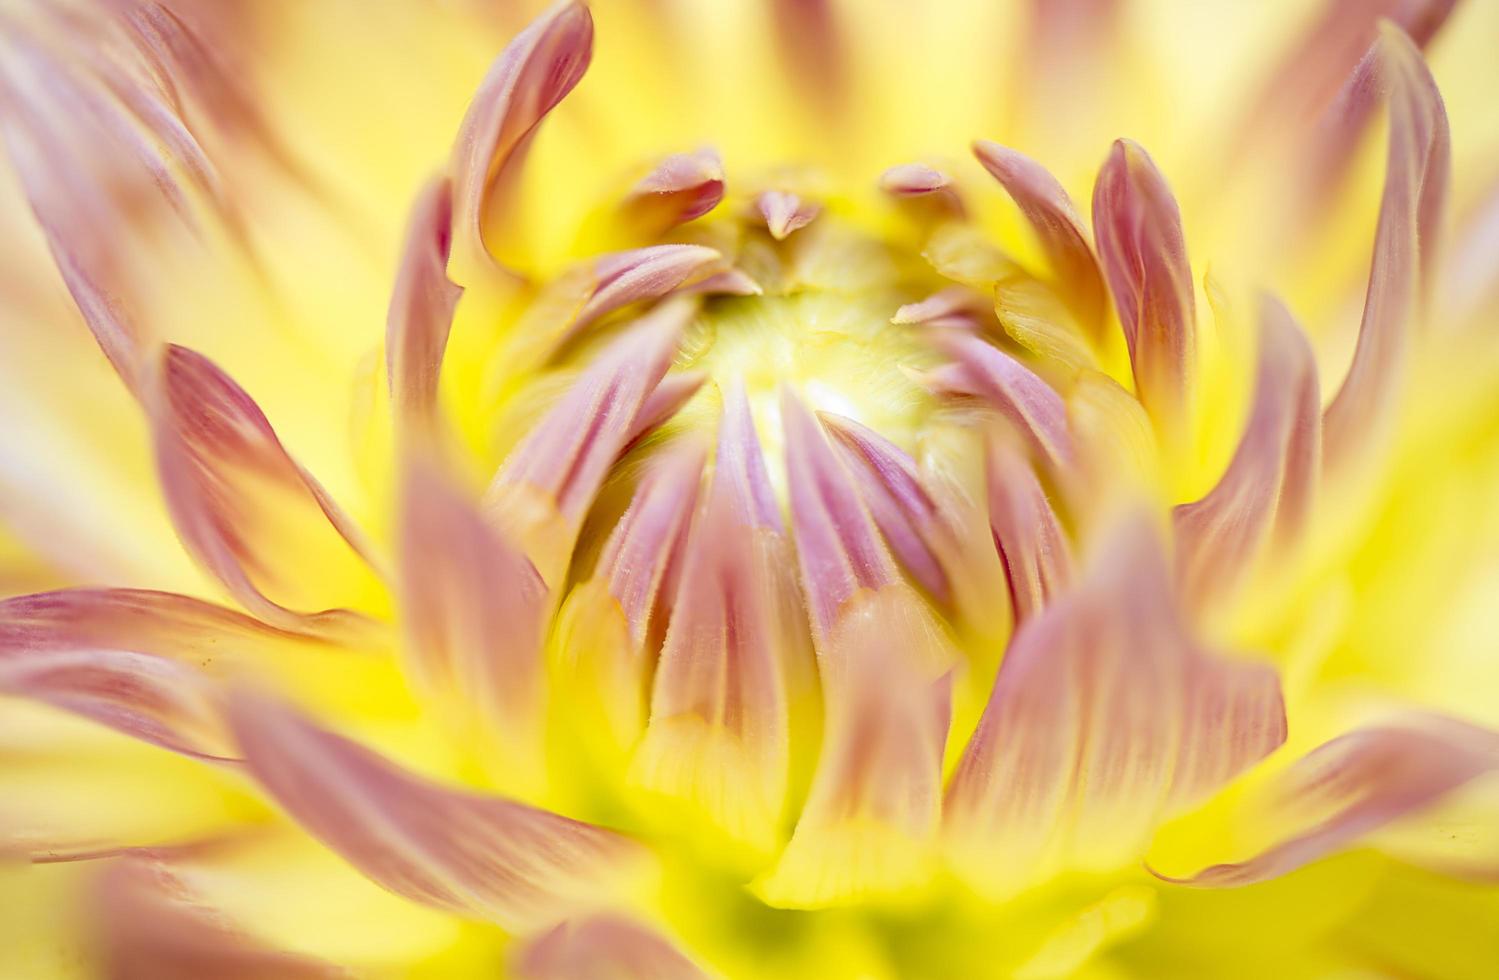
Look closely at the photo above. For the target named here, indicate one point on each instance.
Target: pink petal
(1104, 719)
(811, 42)
(913, 179)
(1268, 485)
(955, 307)
(562, 462)
(683, 188)
(137, 620)
(1037, 556)
(1057, 224)
(1415, 191)
(674, 391)
(729, 282)
(1313, 70)
(1037, 412)
(150, 925)
(421, 309)
(603, 946)
(148, 697)
(718, 729)
(741, 464)
(891, 487)
(532, 75)
(474, 607)
(647, 538)
(71, 147)
(231, 487)
(642, 274)
(718, 733)
(1358, 783)
(785, 212)
(475, 856)
(1144, 257)
(871, 818)
(840, 550)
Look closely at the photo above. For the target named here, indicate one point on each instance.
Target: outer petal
(1103, 719)
(1057, 224)
(475, 856)
(151, 927)
(530, 77)
(1144, 257)
(421, 310)
(603, 946)
(148, 697)
(1267, 489)
(474, 609)
(1358, 783)
(1409, 215)
(240, 501)
(870, 822)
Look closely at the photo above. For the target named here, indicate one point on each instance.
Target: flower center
(822, 327)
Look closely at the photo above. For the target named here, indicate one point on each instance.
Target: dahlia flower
(659, 506)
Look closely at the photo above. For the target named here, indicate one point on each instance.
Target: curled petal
(1144, 258)
(531, 76)
(729, 282)
(785, 212)
(1415, 190)
(622, 278)
(239, 500)
(956, 307)
(1356, 784)
(913, 180)
(1036, 554)
(474, 607)
(1036, 410)
(1105, 717)
(151, 926)
(718, 730)
(1057, 224)
(840, 550)
(892, 489)
(421, 310)
(477, 856)
(544, 489)
(1266, 490)
(683, 188)
(603, 946)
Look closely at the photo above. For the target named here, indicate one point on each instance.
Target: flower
(753, 548)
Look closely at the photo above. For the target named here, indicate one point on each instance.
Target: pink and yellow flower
(763, 540)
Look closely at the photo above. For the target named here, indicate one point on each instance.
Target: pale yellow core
(821, 330)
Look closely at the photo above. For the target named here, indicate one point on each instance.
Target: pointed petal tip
(785, 212)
